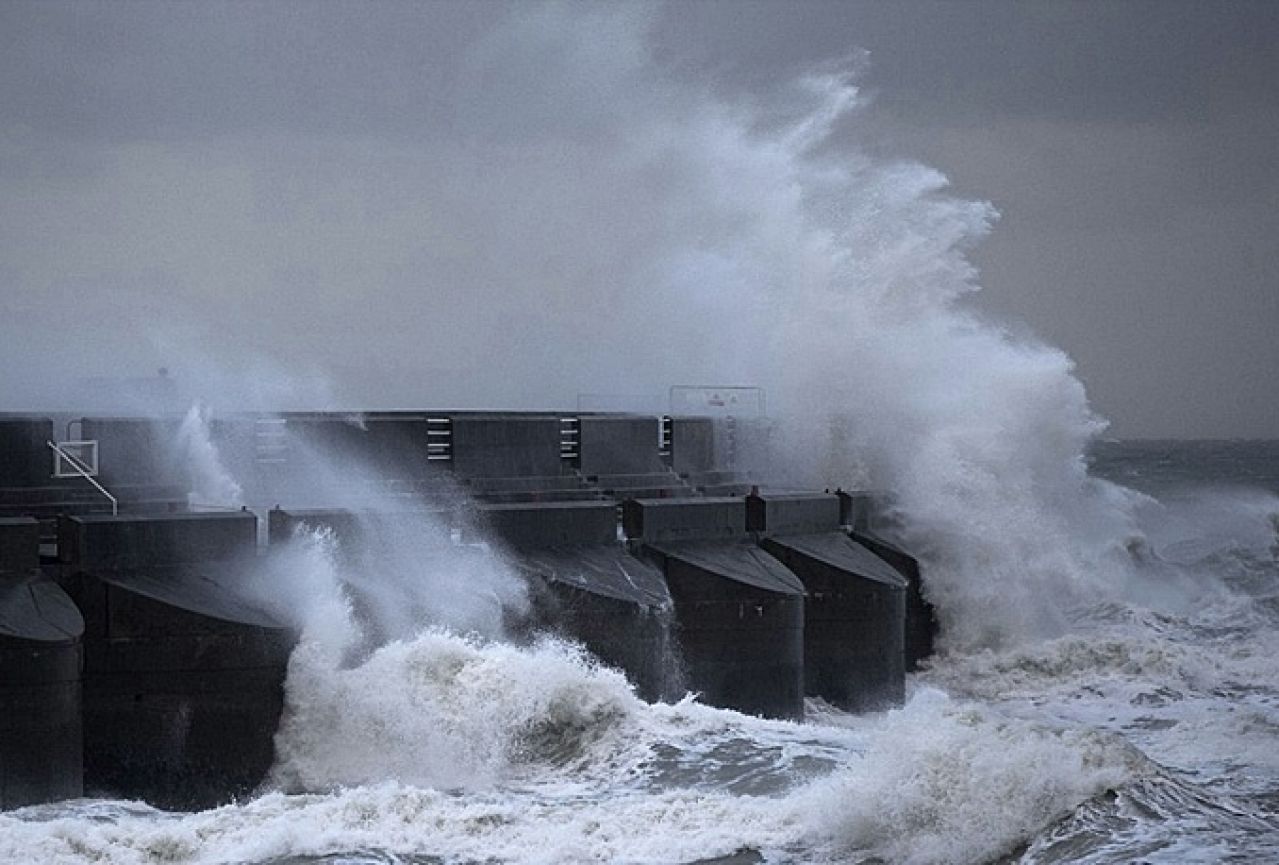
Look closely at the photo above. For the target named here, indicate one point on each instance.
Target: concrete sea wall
(134, 661)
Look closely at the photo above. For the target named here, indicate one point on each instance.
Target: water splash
(211, 485)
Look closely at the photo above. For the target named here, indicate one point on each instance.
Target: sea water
(1142, 733)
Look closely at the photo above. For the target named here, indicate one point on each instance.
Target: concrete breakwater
(138, 657)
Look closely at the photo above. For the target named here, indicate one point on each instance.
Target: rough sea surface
(1146, 731)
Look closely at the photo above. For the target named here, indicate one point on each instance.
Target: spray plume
(569, 216)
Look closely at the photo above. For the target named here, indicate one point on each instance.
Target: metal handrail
(83, 471)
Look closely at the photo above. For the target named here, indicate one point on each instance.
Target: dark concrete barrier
(136, 451)
(183, 674)
(587, 587)
(25, 458)
(921, 619)
(653, 520)
(392, 446)
(501, 446)
(104, 543)
(550, 524)
(692, 445)
(620, 445)
(40, 657)
(19, 545)
(739, 613)
(868, 516)
(854, 619)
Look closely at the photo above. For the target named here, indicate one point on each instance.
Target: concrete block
(620, 445)
(549, 524)
(654, 520)
(394, 446)
(506, 445)
(136, 451)
(793, 513)
(692, 444)
(25, 458)
(99, 542)
(19, 545)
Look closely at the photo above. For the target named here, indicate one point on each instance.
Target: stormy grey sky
(291, 189)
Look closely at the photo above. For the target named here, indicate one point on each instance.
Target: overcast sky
(296, 184)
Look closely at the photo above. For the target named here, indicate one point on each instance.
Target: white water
(455, 749)
(469, 752)
(211, 485)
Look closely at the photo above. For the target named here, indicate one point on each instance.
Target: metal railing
(83, 471)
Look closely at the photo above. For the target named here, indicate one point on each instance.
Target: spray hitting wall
(613, 228)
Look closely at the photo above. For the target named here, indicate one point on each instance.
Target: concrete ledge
(506, 446)
(550, 524)
(793, 513)
(100, 542)
(620, 445)
(655, 520)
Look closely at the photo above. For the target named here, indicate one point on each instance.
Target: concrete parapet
(506, 445)
(102, 542)
(793, 513)
(867, 511)
(692, 444)
(620, 445)
(550, 524)
(135, 451)
(25, 458)
(390, 445)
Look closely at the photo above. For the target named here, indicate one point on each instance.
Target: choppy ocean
(1146, 731)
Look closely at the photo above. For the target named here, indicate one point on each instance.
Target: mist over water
(617, 230)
